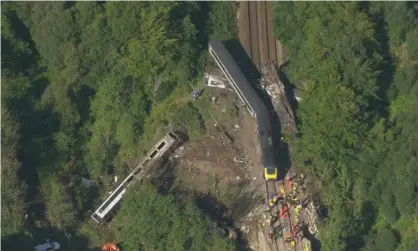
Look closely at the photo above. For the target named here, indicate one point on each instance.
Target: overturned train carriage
(111, 204)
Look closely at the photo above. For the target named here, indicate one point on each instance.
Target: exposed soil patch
(227, 156)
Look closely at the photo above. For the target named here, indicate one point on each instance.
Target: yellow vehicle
(270, 173)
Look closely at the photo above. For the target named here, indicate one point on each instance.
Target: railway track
(256, 33)
(272, 188)
(299, 244)
(255, 52)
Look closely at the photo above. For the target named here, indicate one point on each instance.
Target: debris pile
(215, 78)
(287, 215)
(275, 88)
(311, 217)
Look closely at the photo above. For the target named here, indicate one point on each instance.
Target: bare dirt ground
(225, 162)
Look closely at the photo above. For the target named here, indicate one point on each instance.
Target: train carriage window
(153, 154)
(129, 179)
(137, 171)
(161, 145)
(96, 217)
(172, 135)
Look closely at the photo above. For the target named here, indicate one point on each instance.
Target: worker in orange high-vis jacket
(289, 182)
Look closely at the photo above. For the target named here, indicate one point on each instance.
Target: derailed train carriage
(265, 140)
(254, 103)
(105, 211)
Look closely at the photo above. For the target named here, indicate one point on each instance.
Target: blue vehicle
(196, 94)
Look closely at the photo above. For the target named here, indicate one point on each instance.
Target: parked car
(48, 246)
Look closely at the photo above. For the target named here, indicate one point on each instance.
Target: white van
(48, 246)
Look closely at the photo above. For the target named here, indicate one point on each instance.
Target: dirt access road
(256, 33)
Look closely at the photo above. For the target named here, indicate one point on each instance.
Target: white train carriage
(110, 205)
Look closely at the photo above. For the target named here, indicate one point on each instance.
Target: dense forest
(356, 65)
(88, 85)
(85, 86)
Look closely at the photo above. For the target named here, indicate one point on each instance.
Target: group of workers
(282, 200)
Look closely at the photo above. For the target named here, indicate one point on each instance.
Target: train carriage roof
(236, 74)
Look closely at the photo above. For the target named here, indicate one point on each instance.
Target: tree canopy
(150, 221)
(86, 86)
(355, 66)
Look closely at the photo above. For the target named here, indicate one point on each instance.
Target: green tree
(344, 57)
(59, 208)
(222, 23)
(383, 240)
(82, 80)
(388, 207)
(12, 189)
(149, 220)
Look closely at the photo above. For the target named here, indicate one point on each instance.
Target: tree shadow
(18, 241)
(81, 98)
(87, 195)
(36, 150)
(200, 19)
(386, 89)
(37, 124)
(68, 240)
(22, 33)
(289, 88)
(243, 201)
(356, 242)
(369, 215)
(315, 243)
(387, 73)
(218, 212)
(164, 174)
(163, 169)
(244, 62)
